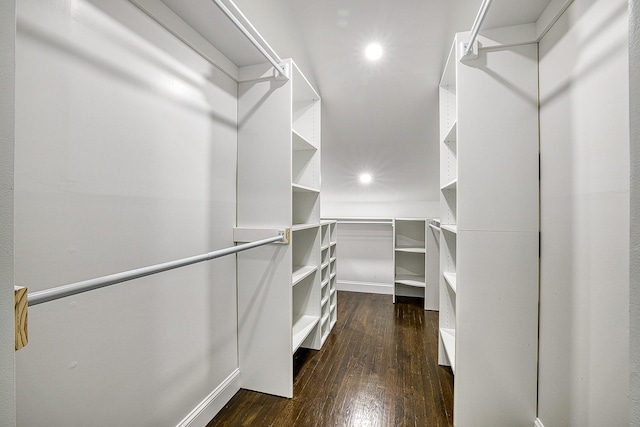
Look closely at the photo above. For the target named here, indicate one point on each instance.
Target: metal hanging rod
(249, 36)
(47, 295)
(482, 13)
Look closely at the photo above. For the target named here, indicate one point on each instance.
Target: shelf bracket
(473, 52)
(287, 72)
(246, 234)
(20, 308)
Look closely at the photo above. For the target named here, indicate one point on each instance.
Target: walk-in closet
(319, 213)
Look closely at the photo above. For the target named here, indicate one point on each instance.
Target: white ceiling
(382, 117)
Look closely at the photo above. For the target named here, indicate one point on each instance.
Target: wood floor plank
(378, 368)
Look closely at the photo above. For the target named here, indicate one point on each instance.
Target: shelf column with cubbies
(279, 286)
(489, 230)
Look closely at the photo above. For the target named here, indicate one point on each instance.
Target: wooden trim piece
(21, 310)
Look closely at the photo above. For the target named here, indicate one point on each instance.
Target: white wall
(7, 81)
(365, 258)
(125, 157)
(634, 283)
(584, 295)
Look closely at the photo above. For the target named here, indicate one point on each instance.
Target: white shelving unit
(413, 248)
(409, 257)
(283, 290)
(328, 277)
(489, 231)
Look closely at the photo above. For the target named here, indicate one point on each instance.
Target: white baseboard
(537, 423)
(213, 403)
(369, 288)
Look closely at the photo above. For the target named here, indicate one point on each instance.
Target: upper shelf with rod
(217, 30)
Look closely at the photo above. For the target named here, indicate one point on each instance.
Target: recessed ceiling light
(373, 51)
(365, 178)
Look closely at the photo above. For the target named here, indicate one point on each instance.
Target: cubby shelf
(303, 189)
(450, 278)
(300, 227)
(409, 280)
(412, 250)
(325, 300)
(300, 272)
(451, 185)
(300, 143)
(302, 327)
(449, 340)
(449, 227)
(451, 135)
(325, 283)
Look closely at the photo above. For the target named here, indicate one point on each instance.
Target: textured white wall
(125, 157)
(7, 81)
(634, 282)
(584, 295)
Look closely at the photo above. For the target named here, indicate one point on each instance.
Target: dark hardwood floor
(379, 367)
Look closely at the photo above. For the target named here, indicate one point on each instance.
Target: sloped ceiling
(382, 117)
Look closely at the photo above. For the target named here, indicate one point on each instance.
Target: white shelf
(300, 272)
(325, 319)
(325, 265)
(297, 188)
(332, 259)
(451, 185)
(325, 300)
(449, 340)
(300, 143)
(451, 133)
(450, 278)
(324, 248)
(325, 283)
(333, 307)
(450, 228)
(412, 250)
(333, 291)
(333, 243)
(332, 275)
(299, 227)
(333, 323)
(408, 280)
(302, 327)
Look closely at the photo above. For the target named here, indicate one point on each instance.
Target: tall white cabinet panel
(279, 286)
(489, 233)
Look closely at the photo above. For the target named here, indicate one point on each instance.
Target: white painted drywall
(634, 282)
(584, 294)
(7, 85)
(365, 255)
(125, 157)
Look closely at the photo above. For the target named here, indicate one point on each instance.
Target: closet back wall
(125, 157)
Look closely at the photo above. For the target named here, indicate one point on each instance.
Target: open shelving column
(328, 278)
(489, 230)
(409, 257)
(279, 286)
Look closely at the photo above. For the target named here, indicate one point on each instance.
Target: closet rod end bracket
(469, 52)
(287, 72)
